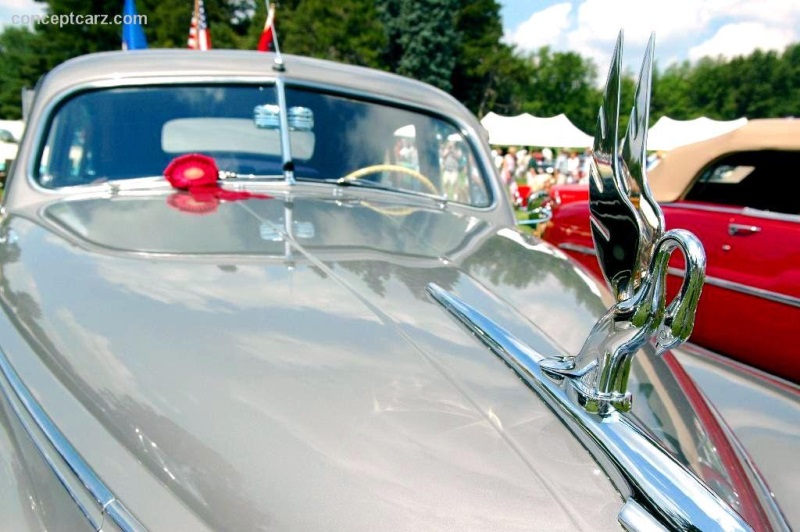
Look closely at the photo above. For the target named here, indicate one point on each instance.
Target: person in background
(560, 168)
(497, 154)
(586, 165)
(509, 170)
(573, 167)
(451, 162)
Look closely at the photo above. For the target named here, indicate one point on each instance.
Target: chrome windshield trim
(569, 246)
(634, 518)
(286, 145)
(742, 211)
(33, 418)
(655, 478)
(769, 295)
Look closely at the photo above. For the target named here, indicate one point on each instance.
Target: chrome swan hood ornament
(633, 251)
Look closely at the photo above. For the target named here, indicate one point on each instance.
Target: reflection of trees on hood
(373, 274)
(22, 302)
(172, 440)
(199, 471)
(376, 274)
(505, 262)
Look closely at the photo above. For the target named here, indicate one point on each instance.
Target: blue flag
(132, 34)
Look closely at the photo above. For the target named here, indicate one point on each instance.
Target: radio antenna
(270, 25)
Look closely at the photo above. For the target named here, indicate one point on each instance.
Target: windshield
(131, 132)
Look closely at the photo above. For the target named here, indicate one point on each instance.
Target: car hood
(278, 364)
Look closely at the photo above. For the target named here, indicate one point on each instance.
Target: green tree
(791, 71)
(563, 82)
(348, 31)
(422, 41)
(486, 70)
(21, 65)
(671, 92)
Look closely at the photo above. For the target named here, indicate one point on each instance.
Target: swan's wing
(626, 221)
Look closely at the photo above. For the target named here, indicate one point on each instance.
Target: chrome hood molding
(657, 480)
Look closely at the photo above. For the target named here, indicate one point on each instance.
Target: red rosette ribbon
(197, 175)
(192, 170)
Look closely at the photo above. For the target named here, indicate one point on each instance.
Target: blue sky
(685, 29)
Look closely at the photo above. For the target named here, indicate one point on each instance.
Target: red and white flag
(267, 41)
(199, 34)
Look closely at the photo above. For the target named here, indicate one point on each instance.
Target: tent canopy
(667, 134)
(559, 132)
(14, 126)
(528, 130)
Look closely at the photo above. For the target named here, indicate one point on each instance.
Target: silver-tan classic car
(242, 291)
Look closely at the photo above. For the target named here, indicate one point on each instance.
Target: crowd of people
(540, 169)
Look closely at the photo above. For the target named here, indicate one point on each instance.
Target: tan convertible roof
(670, 179)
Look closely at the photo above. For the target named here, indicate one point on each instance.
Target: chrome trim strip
(769, 295)
(569, 246)
(286, 145)
(15, 391)
(742, 211)
(656, 478)
(634, 518)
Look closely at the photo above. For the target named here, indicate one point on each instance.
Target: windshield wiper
(225, 175)
(360, 183)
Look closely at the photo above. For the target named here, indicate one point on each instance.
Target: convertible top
(673, 176)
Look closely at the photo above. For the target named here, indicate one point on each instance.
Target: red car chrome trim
(713, 281)
(744, 211)
(745, 289)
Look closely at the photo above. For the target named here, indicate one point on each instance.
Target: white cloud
(543, 28)
(15, 8)
(782, 13)
(741, 39)
(601, 20)
(590, 27)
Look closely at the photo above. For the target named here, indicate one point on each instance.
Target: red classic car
(568, 193)
(734, 193)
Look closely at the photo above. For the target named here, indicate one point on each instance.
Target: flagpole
(278, 63)
(196, 19)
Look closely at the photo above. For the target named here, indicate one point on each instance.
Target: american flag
(199, 34)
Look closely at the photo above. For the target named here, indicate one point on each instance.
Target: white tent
(528, 130)
(667, 134)
(14, 126)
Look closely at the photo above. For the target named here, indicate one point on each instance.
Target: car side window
(754, 179)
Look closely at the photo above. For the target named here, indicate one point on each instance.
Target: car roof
(117, 66)
(670, 179)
